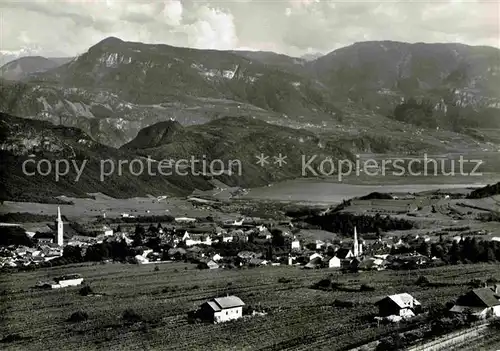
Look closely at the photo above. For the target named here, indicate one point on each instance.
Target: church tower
(355, 250)
(60, 228)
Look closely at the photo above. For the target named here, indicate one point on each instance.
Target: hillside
(240, 139)
(23, 139)
(22, 67)
(230, 138)
(453, 78)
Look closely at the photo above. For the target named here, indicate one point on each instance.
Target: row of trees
(468, 250)
(344, 222)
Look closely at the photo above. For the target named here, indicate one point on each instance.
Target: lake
(329, 192)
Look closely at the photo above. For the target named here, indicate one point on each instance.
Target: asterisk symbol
(262, 160)
(280, 160)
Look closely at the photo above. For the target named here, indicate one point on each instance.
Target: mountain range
(117, 88)
(149, 100)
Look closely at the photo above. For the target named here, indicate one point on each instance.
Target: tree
(78, 316)
(97, 252)
(73, 253)
(454, 254)
(278, 239)
(138, 236)
(424, 249)
(119, 250)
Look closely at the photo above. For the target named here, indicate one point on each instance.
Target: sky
(69, 27)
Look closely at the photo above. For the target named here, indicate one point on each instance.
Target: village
(229, 244)
(245, 244)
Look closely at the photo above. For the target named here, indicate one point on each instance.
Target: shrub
(495, 324)
(78, 316)
(492, 280)
(284, 280)
(391, 343)
(12, 338)
(476, 283)
(130, 316)
(414, 335)
(86, 290)
(343, 303)
(324, 283)
(156, 269)
(366, 287)
(422, 281)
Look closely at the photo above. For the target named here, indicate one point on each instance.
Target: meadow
(298, 317)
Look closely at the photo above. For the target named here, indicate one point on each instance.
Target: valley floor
(298, 318)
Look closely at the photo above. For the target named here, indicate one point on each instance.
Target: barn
(481, 302)
(403, 305)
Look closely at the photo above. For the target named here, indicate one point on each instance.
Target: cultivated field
(299, 318)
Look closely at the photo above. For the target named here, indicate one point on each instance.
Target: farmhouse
(481, 302)
(403, 305)
(316, 262)
(370, 263)
(62, 282)
(222, 309)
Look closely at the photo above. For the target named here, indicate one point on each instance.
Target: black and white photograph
(250, 175)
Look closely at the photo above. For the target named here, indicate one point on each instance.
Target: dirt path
(453, 340)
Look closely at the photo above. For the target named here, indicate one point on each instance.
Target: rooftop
(403, 300)
(482, 297)
(220, 303)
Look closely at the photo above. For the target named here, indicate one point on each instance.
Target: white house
(319, 244)
(296, 244)
(227, 238)
(222, 309)
(334, 262)
(107, 230)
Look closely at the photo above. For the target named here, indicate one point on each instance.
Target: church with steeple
(60, 228)
(357, 249)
